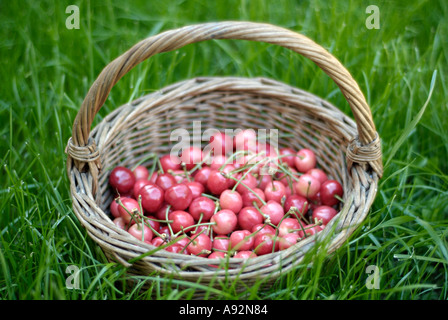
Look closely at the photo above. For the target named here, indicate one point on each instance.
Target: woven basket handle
(363, 149)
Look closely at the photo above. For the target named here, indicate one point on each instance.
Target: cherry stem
(199, 221)
(167, 211)
(194, 226)
(143, 218)
(303, 228)
(186, 172)
(232, 156)
(160, 166)
(248, 188)
(191, 240)
(150, 156)
(294, 210)
(267, 219)
(120, 203)
(339, 198)
(209, 196)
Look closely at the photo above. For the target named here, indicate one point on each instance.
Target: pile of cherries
(243, 199)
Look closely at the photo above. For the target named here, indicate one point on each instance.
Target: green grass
(47, 70)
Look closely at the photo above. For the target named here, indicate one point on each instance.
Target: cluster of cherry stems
(249, 201)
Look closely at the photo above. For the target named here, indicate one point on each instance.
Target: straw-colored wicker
(349, 150)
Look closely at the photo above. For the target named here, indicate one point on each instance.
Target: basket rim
(87, 196)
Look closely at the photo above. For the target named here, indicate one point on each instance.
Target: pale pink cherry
(307, 186)
(288, 240)
(273, 210)
(275, 191)
(231, 200)
(141, 232)
(225, 221)
(305, 160)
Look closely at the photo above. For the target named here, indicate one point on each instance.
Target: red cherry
(287, 156)
(221, 143)
(328, 192)
(310, 230)
(273, 210)
(179, 176)
(165, 180)
(245, 254)
(170, 162)
(287, 179)
(241, 240)
(152, 197)
(248, 217)
(275, 191)
(155, 225)
(265, 243)
(204, 206)
(216, 255)
(202, 175)
(297, 201)
(191, 157)
(248, 182)
(225, 221)
(141, 232)
(262, 229)
(138, 185)
(141, 172)
(231, 177)
(251, 196)
(217, 182)
(179, 196)
(157, 241)
(324, 214)
(266, 149)
(114, 209)
(122, 179)
(132, 207)
(307, 186)
(217, 162)
(200, 229)
(319, 174)
(221, 243)
(200, 245)
(245, 140)
(165, 229)
(161, 213)
(264, 180)
(288, 225)
(154, 177)
(231, 200)
(181, 241)
(315, 200)
(174, 248)
(305, 160)
(180, 220)
(120, 223)
(288, 240)
(196, 188)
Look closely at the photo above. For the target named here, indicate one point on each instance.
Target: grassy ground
(46, 70)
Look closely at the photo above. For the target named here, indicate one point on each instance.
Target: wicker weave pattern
(350, 149)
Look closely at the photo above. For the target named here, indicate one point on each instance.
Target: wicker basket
(349, 150)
